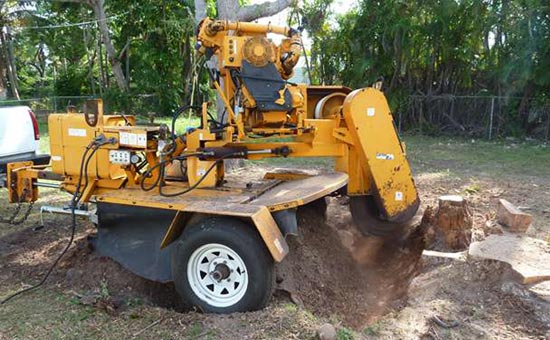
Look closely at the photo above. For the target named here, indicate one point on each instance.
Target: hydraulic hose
(95, 144)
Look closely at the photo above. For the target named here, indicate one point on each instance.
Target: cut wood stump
(528, 257)
(452, 223)
(510, 216)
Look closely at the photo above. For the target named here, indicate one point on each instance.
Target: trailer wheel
(221, 265)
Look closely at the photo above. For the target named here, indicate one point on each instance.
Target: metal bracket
(91, 214)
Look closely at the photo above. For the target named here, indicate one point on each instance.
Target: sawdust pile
(333, 270)
(86, 272)
(358, 281)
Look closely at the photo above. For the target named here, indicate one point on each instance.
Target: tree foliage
(427, 48)
(59, 50)
(434, 47)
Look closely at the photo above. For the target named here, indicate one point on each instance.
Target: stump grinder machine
(165, 209)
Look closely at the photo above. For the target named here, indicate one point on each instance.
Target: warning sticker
(77, 132)
(278, 245)
(133, 139)
(371, 111)
(385, 156)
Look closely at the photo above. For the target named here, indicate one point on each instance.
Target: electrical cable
(84, 23)
(161, 164)
(203, 177)
(86, 177)
(95, 144)
(177, 113)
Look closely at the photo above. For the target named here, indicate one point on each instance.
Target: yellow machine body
(354, 127)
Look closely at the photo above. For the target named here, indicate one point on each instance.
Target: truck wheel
(221, 265)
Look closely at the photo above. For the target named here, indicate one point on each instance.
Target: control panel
(121, 157)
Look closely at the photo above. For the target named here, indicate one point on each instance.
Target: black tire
(240, 238)
(366, 217)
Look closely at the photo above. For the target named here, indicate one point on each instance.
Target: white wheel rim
(217, 275)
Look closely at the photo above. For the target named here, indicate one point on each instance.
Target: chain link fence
(472, 116)
(142, 104)
(475, 116)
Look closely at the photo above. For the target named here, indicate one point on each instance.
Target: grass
(345, 334)
(492, 158)
(44, 144)
(47, 311)
(54, 314)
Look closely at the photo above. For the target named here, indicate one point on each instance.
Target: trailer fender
(261, 218)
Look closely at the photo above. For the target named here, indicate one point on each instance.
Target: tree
(234, 10)
(98, 6)
(158, 47)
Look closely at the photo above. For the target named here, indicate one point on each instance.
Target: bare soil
(380, 290)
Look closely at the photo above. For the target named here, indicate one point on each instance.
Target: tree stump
(452, 223)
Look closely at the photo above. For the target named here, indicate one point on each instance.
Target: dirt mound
(87, 272)
(26, 255)
(322, 274)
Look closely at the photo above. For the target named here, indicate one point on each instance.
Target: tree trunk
(102, 70)
(90, 61)
(524, 106)
(187, 71)
(228, 9)
(264, 9)
(231, 10)
(3, 69)
(116, 66)
(398, 53)
(98, 6)
(11, 68)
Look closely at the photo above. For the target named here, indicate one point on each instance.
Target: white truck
(19, 137)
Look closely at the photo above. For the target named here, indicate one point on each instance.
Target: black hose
(161, 165)
(74, 201)
(86, 177)
(148, 173)
(84, 157)
(177, 113)
(203, 177)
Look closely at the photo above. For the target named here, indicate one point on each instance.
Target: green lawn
(492, 158)
(44, 145)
